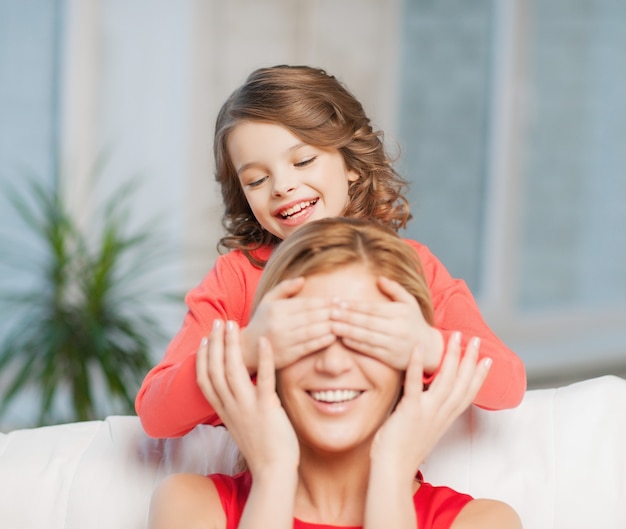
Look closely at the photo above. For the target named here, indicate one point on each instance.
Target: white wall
(145, 81)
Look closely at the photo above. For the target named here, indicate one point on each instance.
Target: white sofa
(559, 459)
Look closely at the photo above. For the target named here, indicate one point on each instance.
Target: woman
(336, 438)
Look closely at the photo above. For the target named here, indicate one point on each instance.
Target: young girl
(292, 145)
(336, 438)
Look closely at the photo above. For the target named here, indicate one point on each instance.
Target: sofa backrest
(559, 459)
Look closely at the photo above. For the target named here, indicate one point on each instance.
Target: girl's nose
(334, 360)
(284, 183)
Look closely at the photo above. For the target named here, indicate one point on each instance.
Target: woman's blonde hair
(324, 245)
(318, 109)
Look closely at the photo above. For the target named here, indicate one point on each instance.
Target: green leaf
(86, 316)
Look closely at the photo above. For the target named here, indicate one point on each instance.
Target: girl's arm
(390, 331)
(456, 309)
(169, 402)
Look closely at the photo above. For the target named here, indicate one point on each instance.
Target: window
(29, 128)
(513, 124)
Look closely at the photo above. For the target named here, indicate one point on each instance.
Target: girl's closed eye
(257, 182)
(305, 162)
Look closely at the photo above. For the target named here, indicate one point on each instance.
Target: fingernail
(488, 361)
(217, 324)
(476, 342)
(456, 336)
(230, 325)
(204, 341)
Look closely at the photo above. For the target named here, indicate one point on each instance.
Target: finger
(266, 376)
(368, 336)
(303, 312)
(293, 317)
(365, 346)
(292, 340)
(304, 325)
(473, 371)
(384, 352)
(479, 377)
(359, 312)
(300, 350)
(483, 367)
(470, 378)
(236, 373)
(445, 379)
(285, 289)
(395, 291)
(202, 368)
(462, 392)
(300, 311)
(394, 351)
(467, 365)
(215, 369)
(202, 358)
(391, 289)
(414, 378)
(380, 320)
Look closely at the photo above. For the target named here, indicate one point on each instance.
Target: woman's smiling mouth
(332, 396)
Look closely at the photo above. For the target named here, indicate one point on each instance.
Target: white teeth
(296, 209)
(335, 395)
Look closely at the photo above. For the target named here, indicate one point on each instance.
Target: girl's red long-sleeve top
(170, 403)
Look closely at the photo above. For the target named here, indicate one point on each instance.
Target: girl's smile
(286, 182)
(296, 212)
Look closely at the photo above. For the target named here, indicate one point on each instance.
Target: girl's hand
(423, 416)
(294, 326)
(388, 332)
(253, 414)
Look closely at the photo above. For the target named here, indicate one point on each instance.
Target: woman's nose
(335, 359)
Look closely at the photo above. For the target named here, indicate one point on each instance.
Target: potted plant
(83, 329)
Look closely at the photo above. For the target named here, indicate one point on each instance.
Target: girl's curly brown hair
(318, 109)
